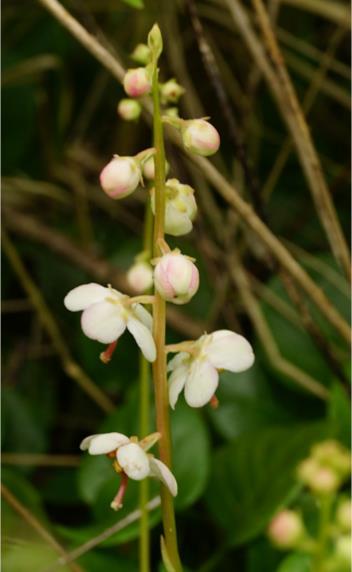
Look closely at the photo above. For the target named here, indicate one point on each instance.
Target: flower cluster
(323, 473)
(130, 460)
(107, 313)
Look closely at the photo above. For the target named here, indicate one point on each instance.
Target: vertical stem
(159, 366)
(144, 422)
(325, 513)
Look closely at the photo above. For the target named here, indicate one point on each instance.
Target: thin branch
(107, 533)
(71, 368)
(102, 271)
(256, 315)
(29, 459)
(37, 526)
(228, 192)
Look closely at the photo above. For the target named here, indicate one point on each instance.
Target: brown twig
(36, 525)
(71, 368)
(225, 189)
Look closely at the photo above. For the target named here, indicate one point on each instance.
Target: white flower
(176, 278)
(197, 372)
(107, 313)
(131, 457)
(180, 207)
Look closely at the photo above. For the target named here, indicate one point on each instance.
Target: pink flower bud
(120, 177)
(129, 109)
(325, 481)
(200, 137)
(286, 529)
(176, 278)
(136, 82)
(140, 277)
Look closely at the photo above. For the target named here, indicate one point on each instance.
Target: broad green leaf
(135, 3)
(30, 556)
(253, 476)
(296, 563)
(339, 413)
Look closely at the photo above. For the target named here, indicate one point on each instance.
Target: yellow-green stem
(325, 514)
(159, 310)
(144, 421)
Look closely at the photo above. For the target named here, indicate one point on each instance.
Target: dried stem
(225, 189)
(72, 369)
(36, 525)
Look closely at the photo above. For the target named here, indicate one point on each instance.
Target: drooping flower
(129, 109)
(176, 278)
(180, 207)
(130, 459)
(137, 82)
(107, 313)
(140, 276)
(196, 370)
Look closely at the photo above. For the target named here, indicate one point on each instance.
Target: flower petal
(83, 296)
(103, 443)
(227, 350)
(143, 337)
(163, 473)
(103, 322)
(177, 382)
(201, 384)
(143, 315)
(134, 461)
(177, 360)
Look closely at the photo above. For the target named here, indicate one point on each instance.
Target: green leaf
(138, 4)
(339, 413)
(296, 563)
(191, 454)
(254, 475)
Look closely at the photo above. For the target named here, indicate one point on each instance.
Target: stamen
(214, 402)
(107, 355)
(117, 501)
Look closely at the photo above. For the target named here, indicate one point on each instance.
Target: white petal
(103, 322)
(134, 461)
(201, 384)
(177, 360)
(143, 315)
(83, 296)
(143, 337)
(160, 471)
(103, 443)
(230, 351)
(177, 382)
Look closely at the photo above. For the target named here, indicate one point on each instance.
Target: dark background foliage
(235, 465)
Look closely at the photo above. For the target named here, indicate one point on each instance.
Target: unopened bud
(286, 529)
(141, 54)
(180, 207)
(155, 41)
(137, 82)
(332, 454)
(149, 169)
(171, 91)
(176, 278)
(344, 515)
(120, 177)
(200, 137)
(171, 112)
(325, 481)
(140, 277)
(129, 109)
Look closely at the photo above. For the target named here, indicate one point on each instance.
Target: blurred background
(235, 465)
